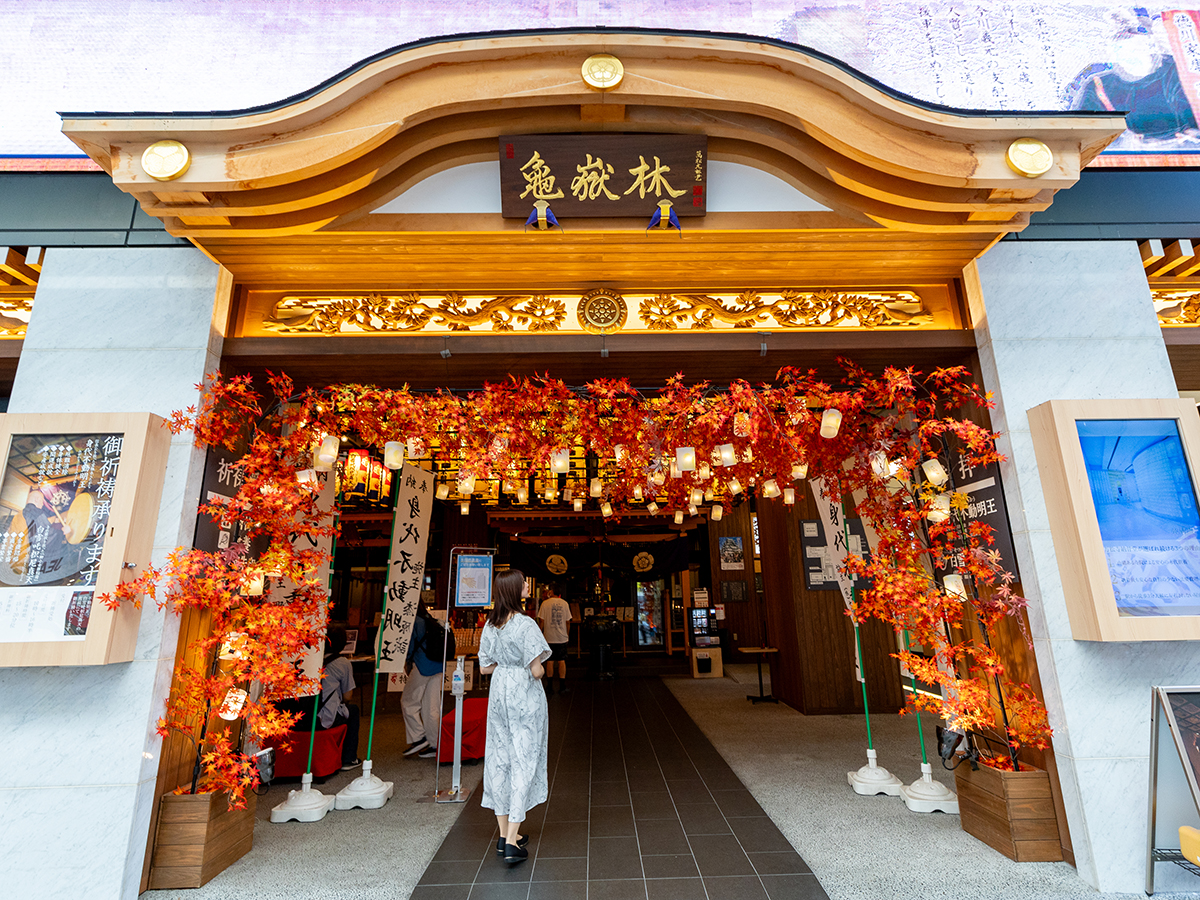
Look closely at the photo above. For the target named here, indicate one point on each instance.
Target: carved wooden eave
(322, 161)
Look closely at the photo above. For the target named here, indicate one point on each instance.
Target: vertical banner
(406, 567)
(309, 662)
(836, 547)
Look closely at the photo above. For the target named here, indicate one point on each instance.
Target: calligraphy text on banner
(590, 175)
(406, 567)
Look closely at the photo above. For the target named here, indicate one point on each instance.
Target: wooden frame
(111, 635)
(1082, 564)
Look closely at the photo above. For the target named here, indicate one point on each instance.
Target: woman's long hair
(506, 596)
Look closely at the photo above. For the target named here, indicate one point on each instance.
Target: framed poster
(1119, 478)
(473, 580)
(733, 554)
(79, 499)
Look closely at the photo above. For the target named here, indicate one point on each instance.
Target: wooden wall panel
(741, 619)
(814, 670)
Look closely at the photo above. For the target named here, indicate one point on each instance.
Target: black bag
(436, 639)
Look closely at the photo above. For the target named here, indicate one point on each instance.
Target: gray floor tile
(449, 872)
(653, 805)
(657, 836)
(617, 890)
(441, 892)
(680, 865)
(737, 803)
(702, 818)
(558, 890)
(565, 839)
(786, 863)
(759, 834)
(500, 891)
(719, 855)
(497, 871)
(793, 887)
(613, 857)
(735, 888)
(611, 821)
(676, 889)
(567, 868)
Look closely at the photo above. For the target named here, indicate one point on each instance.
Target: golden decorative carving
(602, 311)
(414, 312)
(10, 324)
(166, 160)
(598, 311)
(603, 71)
(1177, 307)
(1029, 157)
(792, 309)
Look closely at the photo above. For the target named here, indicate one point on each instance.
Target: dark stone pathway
(641, 807)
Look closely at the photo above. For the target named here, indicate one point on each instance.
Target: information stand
(1174, 776)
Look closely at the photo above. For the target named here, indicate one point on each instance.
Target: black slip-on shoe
(514, 854)
(521, 842)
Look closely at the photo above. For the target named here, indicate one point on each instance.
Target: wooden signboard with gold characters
(79, 497)
(592, 175)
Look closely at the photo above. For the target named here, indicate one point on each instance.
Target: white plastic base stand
(304, 805)
(926, 795)
(872, 779)
(364, 792)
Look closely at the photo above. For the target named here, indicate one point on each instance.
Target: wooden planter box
(199, 836)
(1012, 812)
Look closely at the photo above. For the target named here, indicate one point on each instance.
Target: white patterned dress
(514, 763)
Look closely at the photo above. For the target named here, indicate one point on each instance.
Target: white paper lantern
(522, 494)
(789, 496)
(596, 488)
(560, 460)
(717, 511)
(770, 489)
(735, 486)
(679, 517)
(940, 510)
(831, 421)
(728, 454)
(799, 470)
(327, 453)
(577, 504)
(606, 509)
(685, 459)
(637, 492)
(443, 491)
(935, 472)
(652, 507)
(954, 585)
(464, 508)
(393, 455)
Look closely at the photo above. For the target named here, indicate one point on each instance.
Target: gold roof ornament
(603, 71)
(1029, 157)
(602, 311)
(166, 160)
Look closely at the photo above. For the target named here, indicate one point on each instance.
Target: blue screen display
(1146, 506)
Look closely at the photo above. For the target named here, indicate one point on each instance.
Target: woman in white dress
(512, 650)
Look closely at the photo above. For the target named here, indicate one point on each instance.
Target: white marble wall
(113, 330)
(1074, 320)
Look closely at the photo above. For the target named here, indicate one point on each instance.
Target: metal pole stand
(456, 794)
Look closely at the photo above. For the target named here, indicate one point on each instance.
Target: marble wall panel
(113, 330)
(1074, 320)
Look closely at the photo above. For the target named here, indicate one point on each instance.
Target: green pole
(312, 738)
(378, 642)
(858, 640)
(920, 731)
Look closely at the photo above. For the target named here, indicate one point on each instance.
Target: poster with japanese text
(55, 499)
(473, 580)
(406, 567)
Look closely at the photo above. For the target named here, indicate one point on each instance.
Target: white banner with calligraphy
(406, 567)
(309, 662)
(834, 523)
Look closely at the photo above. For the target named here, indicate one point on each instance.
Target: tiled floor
(641, 807)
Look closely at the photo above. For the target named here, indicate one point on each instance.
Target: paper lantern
(831, 421)
(522, 494)
(416, 448)
(560, 460)
(658, 477)
(940, 510)
(708, 493)
(685, 459)
(879, 463)
(935, 472)
(735, 486)
(799, 470)
(464, 507)
(308, 478)
(393, 455)
(679, 517)
(953, 583)
(637, 492)
(606, 509)
(466, 483)
(674, 469)
(789, 496)
(596, 488)
(770, 489)
(443, 491)
(568, 495)
(652, 507)
(327, 453)
(619, 452)
(717, 511)
(234, 645)
(728, 454)
(697, 496)
(704, 472)
(693, 509)
(551, 495)
(577, 504)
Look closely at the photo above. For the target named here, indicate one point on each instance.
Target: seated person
(336, 682)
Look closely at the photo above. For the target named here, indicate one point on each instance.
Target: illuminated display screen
(969, 54)
(1146, 506)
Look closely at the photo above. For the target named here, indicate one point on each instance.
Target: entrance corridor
(641, 807)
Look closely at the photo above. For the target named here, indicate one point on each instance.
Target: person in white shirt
(555, 614)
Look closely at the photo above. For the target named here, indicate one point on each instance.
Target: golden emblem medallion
(556, 564)
(166, 160)
(602, 71)
(1029, 157)
(602, 311)
(643, 562)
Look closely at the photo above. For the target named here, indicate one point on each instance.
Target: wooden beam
(1152, 251)
(1176, 254)
(12, 263)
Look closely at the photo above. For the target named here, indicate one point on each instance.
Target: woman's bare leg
(514, 832)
